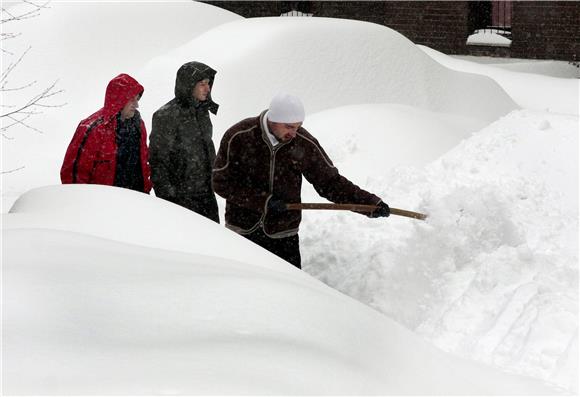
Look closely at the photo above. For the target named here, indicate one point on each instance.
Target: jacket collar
(263, 125)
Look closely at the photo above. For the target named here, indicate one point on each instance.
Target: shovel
(353, 207)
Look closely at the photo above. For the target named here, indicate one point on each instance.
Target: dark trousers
(287, 248)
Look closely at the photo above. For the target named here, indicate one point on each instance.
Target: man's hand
(382, 210)
(276, 206)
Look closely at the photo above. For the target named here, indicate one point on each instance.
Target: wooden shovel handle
(353, 207)
(408, 214)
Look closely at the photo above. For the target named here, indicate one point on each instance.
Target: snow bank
(547, 67)
(327, 62)
(153, 223)
(488, 38)
(89, 315)
(529, 91)
(372, 138)
(493, 273)
(84, 44)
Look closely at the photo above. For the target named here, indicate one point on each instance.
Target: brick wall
(441, 25)
(250, 9)
(438, 24)
(540, 29)
(546, 30)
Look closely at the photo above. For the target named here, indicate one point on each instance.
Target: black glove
(382, 210)
(276, 206)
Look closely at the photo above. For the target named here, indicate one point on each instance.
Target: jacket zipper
(272, 167)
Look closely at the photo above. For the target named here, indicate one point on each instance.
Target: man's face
(201, 90)
(284, 131)
(129, 110)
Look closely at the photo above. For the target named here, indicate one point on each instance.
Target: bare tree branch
(10, 68)
(35, 11)
(20, 122)
(36, 101)
(19, 114)
(11, 171)
(7, 36)
(10, 138)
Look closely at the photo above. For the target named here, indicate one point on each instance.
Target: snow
(547, 67)
(158, 319)
(489, 38)
(491, 278)
(530, 91)
(65, 208)
(365, 70)
(493, 272)
(382, 136)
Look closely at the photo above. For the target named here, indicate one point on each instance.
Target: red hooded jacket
(91, 156)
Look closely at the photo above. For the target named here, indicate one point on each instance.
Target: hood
(187, 76)
(119, 91)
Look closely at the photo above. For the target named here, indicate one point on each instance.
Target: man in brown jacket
(259, 169)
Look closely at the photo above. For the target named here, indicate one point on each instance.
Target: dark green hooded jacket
(181, 150)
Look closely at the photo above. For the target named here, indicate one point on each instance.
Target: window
(297, 9)
(491, 16)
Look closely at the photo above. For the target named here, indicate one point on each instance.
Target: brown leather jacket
(248, 172)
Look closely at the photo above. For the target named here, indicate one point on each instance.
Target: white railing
(295, 13)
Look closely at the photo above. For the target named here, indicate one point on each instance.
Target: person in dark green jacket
(181, 150)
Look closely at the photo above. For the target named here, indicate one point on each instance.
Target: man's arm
(161, 144)
(326, 179)
(144, 152)
(78, 161)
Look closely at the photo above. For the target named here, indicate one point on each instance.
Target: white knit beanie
(286, 108)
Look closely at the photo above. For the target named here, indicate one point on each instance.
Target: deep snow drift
(85, 315)
(369, 139)
(529, 90)
(374, 65)
(546, 67)
(492, 275)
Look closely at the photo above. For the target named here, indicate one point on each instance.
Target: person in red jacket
(110, 146)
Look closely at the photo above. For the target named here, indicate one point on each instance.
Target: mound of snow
(537, 92)
(370, 139)
(91, 42)
(546, 67)
(493, 273)
(152, 222)
(488, 38)
(90, 315)
(327, 62)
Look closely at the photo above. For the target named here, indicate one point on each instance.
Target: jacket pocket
(101, 171)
